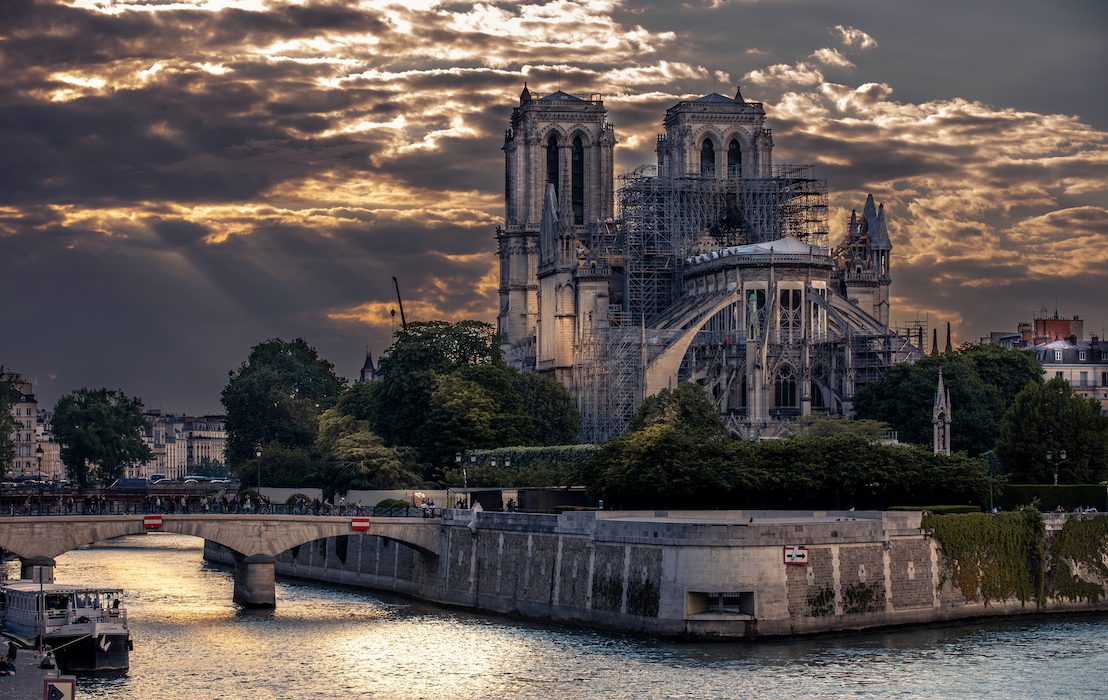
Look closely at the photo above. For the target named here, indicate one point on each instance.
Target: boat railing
(81, 615)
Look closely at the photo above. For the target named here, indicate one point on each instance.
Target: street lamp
(1056, 462)
(258, 458)
(38, 457)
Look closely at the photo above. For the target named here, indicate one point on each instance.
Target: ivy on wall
(1008, 555)
(860, 598)
(642, 598)
(1082, 543)
(994, 557)
(821, 603)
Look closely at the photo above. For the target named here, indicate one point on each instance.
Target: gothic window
(784, 388)
(734, 159)
(789, 315)
(708, 159)
(578, 181)
(552, 161)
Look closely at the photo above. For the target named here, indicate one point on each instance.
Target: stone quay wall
(681, 573)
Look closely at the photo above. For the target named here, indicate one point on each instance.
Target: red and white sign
(64, 688)
(152, 522)
(359, 524)
(796, 555)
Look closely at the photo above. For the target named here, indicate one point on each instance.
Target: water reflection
(192, 642)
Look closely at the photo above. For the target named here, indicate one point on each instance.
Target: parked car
(129, 484)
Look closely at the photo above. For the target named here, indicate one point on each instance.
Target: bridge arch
(255, 540)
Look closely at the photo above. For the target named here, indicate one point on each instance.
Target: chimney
(1072, 340)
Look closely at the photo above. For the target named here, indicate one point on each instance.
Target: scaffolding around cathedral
(660, 221)
(662, 218)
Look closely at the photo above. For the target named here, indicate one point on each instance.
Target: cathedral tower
(564, 141)
(715, 136)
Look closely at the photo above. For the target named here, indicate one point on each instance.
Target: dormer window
(1081, 356)
(1057, 355)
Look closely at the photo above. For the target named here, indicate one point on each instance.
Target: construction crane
(400, 302)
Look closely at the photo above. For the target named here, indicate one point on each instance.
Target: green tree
(827, 426)
(355, 458)
(275, 398)
(687, 406)
(410, 366)
(554, 417)
(1007, 370)
(904, 397)
(281, 466)
(100, 431)
(1052, 417)
(7, 421)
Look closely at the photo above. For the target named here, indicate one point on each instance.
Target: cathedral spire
(525, 96)
(949, 347)
(739, 94)
(940, 418)
(934, 341)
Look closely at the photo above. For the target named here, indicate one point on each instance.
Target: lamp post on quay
(258, 458)
(1056, 462)
(38, 457)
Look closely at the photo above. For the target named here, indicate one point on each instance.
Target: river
(324, 642)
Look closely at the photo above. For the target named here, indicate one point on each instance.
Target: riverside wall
(682, 573)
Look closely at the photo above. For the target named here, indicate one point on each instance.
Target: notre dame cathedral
(714, 268)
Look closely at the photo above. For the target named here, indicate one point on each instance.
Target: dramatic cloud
(184, 178)
(852, 37)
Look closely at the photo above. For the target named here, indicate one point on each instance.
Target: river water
(324, 642)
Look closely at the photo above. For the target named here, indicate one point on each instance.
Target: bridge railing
(109, 507)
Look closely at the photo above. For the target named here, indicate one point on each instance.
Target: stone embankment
(726, 574)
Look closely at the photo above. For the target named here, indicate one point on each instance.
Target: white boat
(86, 628)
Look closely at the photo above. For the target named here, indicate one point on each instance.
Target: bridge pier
(255, 581)
(35, 567)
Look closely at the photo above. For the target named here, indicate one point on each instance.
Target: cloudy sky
(183, 178)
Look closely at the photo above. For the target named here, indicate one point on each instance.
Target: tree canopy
(276, 397)
(663, 466)
(100, 434)
(1052, 417)
(687, 406)
(983, 381)
(446, 389)
(352, 457)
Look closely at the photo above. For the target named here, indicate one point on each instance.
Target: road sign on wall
(796, 555)
(359, 524)
(152, 522)
(63, 688)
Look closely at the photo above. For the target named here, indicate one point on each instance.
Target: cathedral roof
(368, 366)
(782, 246)
(714, 97)
(560, 97)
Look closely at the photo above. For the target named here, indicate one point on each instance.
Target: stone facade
(717, 574)
(682, 286)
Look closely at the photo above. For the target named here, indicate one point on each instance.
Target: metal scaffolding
(662, 218)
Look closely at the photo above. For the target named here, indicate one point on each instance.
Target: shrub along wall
(1069, 496)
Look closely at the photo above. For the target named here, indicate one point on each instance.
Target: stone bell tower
(567, 142)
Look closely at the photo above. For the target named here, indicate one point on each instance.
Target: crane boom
(400, 302)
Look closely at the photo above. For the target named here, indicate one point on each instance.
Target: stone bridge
(256, 540)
